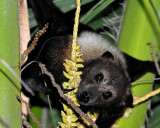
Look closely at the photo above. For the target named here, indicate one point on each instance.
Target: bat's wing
(137, 68)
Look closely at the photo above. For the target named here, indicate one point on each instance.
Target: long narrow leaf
(140, 26)
(10, 111)
(68, 5)
(95, 10)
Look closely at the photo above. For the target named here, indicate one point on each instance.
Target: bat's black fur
(107, 74)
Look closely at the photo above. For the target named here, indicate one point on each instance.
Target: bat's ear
(108, 55)
(33, 76)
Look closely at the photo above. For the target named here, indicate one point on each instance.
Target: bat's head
(104, 84)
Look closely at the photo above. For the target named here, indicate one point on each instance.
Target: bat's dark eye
(107, 95)
(99, 77)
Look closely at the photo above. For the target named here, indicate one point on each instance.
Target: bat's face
(104, 83)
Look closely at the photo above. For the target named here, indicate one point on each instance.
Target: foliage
(10, 111)
(139, 27)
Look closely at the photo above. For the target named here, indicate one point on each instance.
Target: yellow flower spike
(78, 53)
(72, 93)
(68, 70)
(66, 85)
(61, 124)
(73, 75)
(79, 65)
(78, 73)
(76, 85)
(79, 60)
(78, 47)
(70, 96)
(81, 125)
(64, 120)
(72, 84)
(70, 63)
(69, 118)
(67, 61)
(74, 118)
(70, 80)
(74, 124)
(86, 122)
(92, 116)
(73, 97)
(65, 107)
(63, 114)
(73, 64)
(68, 125)
(77, 103)
(75, 90)
(69, 112)
(67, 67)
(67, 75)
(74, 68)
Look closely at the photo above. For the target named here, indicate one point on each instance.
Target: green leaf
(140, 26)
(37, 111)
(68, 5)
(10, 109)
(32, 20)
(95, 10)
(154, 122)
